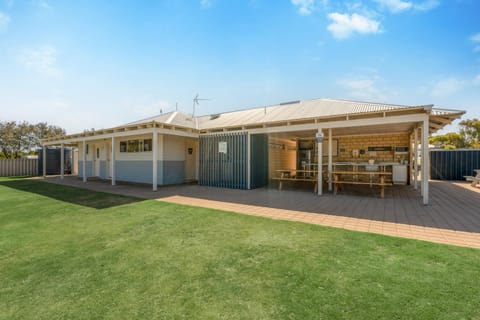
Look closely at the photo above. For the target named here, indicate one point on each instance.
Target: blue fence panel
(453, 164)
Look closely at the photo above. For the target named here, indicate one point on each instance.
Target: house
(244, 149)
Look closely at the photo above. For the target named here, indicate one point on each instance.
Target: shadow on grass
(83, 197)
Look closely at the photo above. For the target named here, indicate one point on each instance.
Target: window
(132, 146)
(147, 145)
(138, 145)
(123, 146)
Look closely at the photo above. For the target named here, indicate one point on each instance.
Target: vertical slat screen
(227, 170)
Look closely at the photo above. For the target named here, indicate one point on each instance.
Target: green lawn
(69, 253)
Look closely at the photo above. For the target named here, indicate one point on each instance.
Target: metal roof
(174, 118)
(297, 110)
(281, 114)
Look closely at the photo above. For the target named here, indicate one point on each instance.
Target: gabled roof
(294, 112)
(174, 118)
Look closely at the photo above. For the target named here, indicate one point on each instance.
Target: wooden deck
(452, 217)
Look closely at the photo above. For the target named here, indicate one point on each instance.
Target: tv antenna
(195, 103)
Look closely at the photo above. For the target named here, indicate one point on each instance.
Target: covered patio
(452, 216)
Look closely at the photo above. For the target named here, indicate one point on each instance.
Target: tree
(470, 132)
(20, 138)
(451, 140)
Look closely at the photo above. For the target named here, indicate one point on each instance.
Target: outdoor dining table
(297, 175)
(337, 179)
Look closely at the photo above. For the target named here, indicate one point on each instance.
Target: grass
(69, 253)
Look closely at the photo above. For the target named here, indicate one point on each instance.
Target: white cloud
(395, 6)
(43, 4)
(476, 41)
(476, 80)
(4, 21)
(450, 86)
(42, 60)
(366, 88)
(305, 7)
(475, 38)
(447, 87)
(398, 6)
(344, 25)
(426, 5)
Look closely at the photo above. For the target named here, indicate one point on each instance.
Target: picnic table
(296, 175)
(474, 179)
(352, 177)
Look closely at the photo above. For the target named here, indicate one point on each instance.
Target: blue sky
(98, 64)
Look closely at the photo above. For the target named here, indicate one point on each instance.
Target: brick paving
(453, 216)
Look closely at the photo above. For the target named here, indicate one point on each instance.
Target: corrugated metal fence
(18, 167)
(453, 164)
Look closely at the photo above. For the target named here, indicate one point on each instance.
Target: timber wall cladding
(18, 167)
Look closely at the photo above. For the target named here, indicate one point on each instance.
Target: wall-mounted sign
(190, 150)
(222, 147)
(386, 148)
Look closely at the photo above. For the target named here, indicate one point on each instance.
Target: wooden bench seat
(365, 182)
(474, 180)
(281, 179)
(357, 174)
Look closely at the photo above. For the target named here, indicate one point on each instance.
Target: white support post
(62, 160)
(415, 158)
(112, 162)
(155, 159)
(425, 161)
(330, 160)
(249, 164)
(320, 157)
(84, 157)
(44, 161)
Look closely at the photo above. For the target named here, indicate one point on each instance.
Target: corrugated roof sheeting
(287, 112)
(295, 111)
(308, 109)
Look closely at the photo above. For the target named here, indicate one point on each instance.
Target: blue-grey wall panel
(88, 168)
(103, 169)
(453, 164)
(220, 166)
(134, 171)
(173, 172)
(259, 160)
(160, 172)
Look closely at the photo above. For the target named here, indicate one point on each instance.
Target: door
(97, 161)
(190, 160)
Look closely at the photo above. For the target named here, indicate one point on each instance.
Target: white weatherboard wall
(88, 163)
(138, 166)
(173, 159)
(134, 166)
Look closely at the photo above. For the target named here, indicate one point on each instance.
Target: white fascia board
(343, 123)
(122, 134)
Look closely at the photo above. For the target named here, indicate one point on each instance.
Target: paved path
(452, 218)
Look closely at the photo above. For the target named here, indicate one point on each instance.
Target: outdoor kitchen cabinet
(399, 174)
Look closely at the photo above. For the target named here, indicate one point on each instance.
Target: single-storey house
(249, 148)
